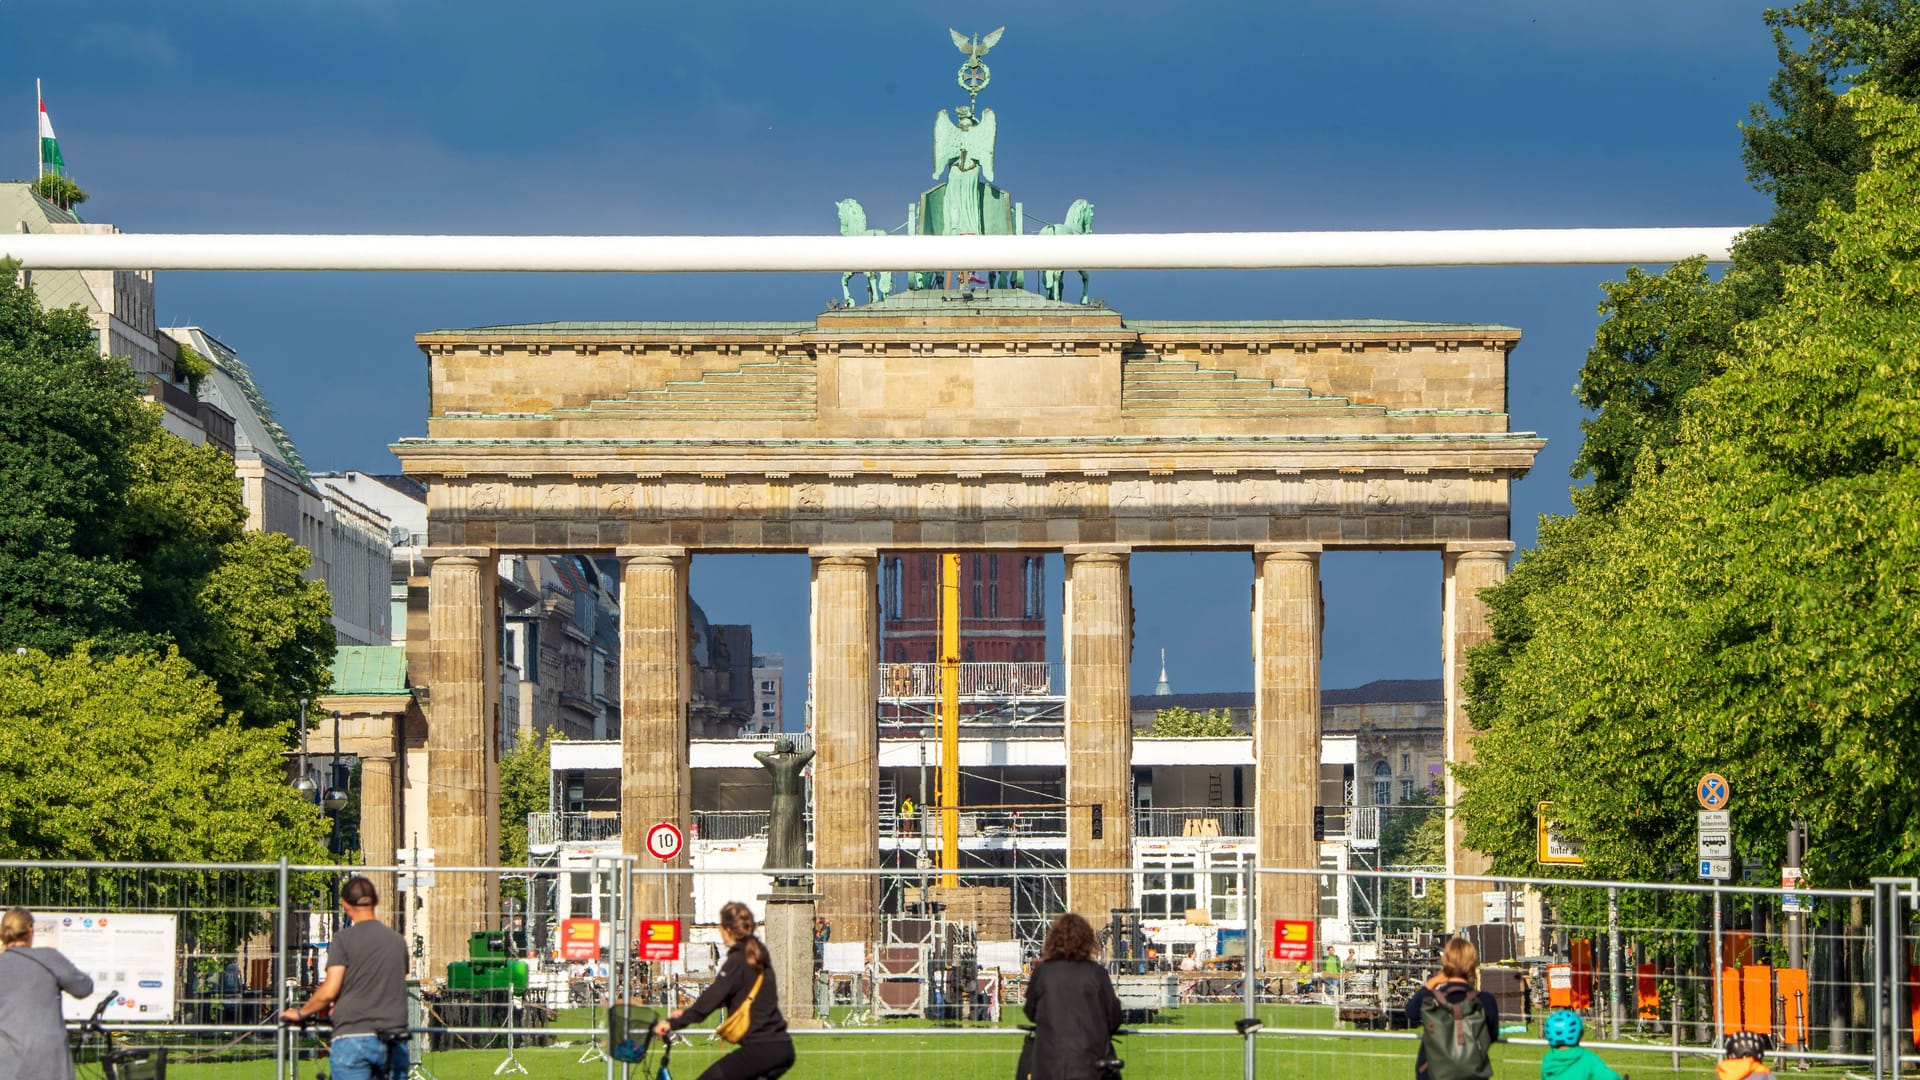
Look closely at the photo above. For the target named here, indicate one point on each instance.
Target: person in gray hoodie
(33, 1037)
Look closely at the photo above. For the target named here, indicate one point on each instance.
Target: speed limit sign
(664, 841)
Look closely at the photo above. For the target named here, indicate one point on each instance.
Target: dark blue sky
(732, 117)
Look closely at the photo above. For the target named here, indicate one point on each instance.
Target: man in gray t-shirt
(366, 984)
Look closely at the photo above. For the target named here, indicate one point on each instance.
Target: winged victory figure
(963, 150)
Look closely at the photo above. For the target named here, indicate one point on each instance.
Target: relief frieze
(1243, 494)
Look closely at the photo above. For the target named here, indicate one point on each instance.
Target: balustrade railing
(1029, 678)
(546, 830)
(1193, 821)
(984, 824)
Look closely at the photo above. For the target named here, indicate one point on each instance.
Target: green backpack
(1455, 1037)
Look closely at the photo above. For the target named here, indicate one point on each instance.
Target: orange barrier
(1647, 991)
(1732, 1001)
(1560, 986)
(1796, 1005)
(1580, 951)
(1756, 984)
(1913, 1000)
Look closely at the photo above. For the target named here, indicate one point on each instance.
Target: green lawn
(912, 1049)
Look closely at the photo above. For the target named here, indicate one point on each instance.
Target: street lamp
(335, 798)
(304, 784)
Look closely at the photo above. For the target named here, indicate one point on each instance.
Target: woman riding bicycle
(746, 980)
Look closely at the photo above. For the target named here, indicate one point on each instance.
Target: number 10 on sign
(664, 841)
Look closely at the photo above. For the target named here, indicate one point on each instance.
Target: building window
(766, 709)
(1167, 888)
(1382, 784)
(581, 895)
(977, 609)
(993, 568)
(890, 588)
(1406, 763)
(766, 686)
(1226, 887)
(1406, 791)
(993, 601)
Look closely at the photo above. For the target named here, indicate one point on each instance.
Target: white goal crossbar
(731, 254)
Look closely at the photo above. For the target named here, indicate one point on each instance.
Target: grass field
(919, 1050)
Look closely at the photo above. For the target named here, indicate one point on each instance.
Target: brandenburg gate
(949, 419)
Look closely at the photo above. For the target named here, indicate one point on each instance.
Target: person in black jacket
(1456, 983)
(1071, 1002)
(766, 1050)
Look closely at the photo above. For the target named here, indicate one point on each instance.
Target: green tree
(526, 781)
(1663, 336)
(136, 758)
(1749, 606)
(117, 533)
(70, 420)
(1183, 723)
(59, 190)
(1413, 834)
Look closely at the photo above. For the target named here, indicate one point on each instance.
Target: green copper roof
(368, 670)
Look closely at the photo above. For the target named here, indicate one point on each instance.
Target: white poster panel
(844, 957)
(131, 954)
(999, 956)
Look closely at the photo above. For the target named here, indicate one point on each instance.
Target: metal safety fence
(1224, 969)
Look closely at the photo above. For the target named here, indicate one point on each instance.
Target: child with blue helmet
(1566, 1059)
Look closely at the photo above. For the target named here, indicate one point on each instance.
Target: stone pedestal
(1286, 731)
(463, 760)
(1099, 646)
(788, 933)
(846, 737)
(654, 785)
(1469, 569)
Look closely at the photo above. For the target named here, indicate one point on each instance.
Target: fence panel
(193, 955)
(896, 972)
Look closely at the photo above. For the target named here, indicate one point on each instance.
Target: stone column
(463, 760)
(1469, 569)
(654, 785)
(1098, 643)
(380, 830)
(1286, 731)
(846, 738)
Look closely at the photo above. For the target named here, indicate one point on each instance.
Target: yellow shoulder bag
(734, 1028)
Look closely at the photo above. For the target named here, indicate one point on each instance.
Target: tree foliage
(116, 533)
(136, 758)
(1749, 605)
(1413, 834)
(1182, 723)
(525, 784)
(59, 190)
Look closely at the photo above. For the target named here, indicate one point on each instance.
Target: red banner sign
(659, 939)
(579, 939)
(1293, 939)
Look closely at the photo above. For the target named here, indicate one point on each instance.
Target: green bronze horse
(1079, 222)
(853, 222)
